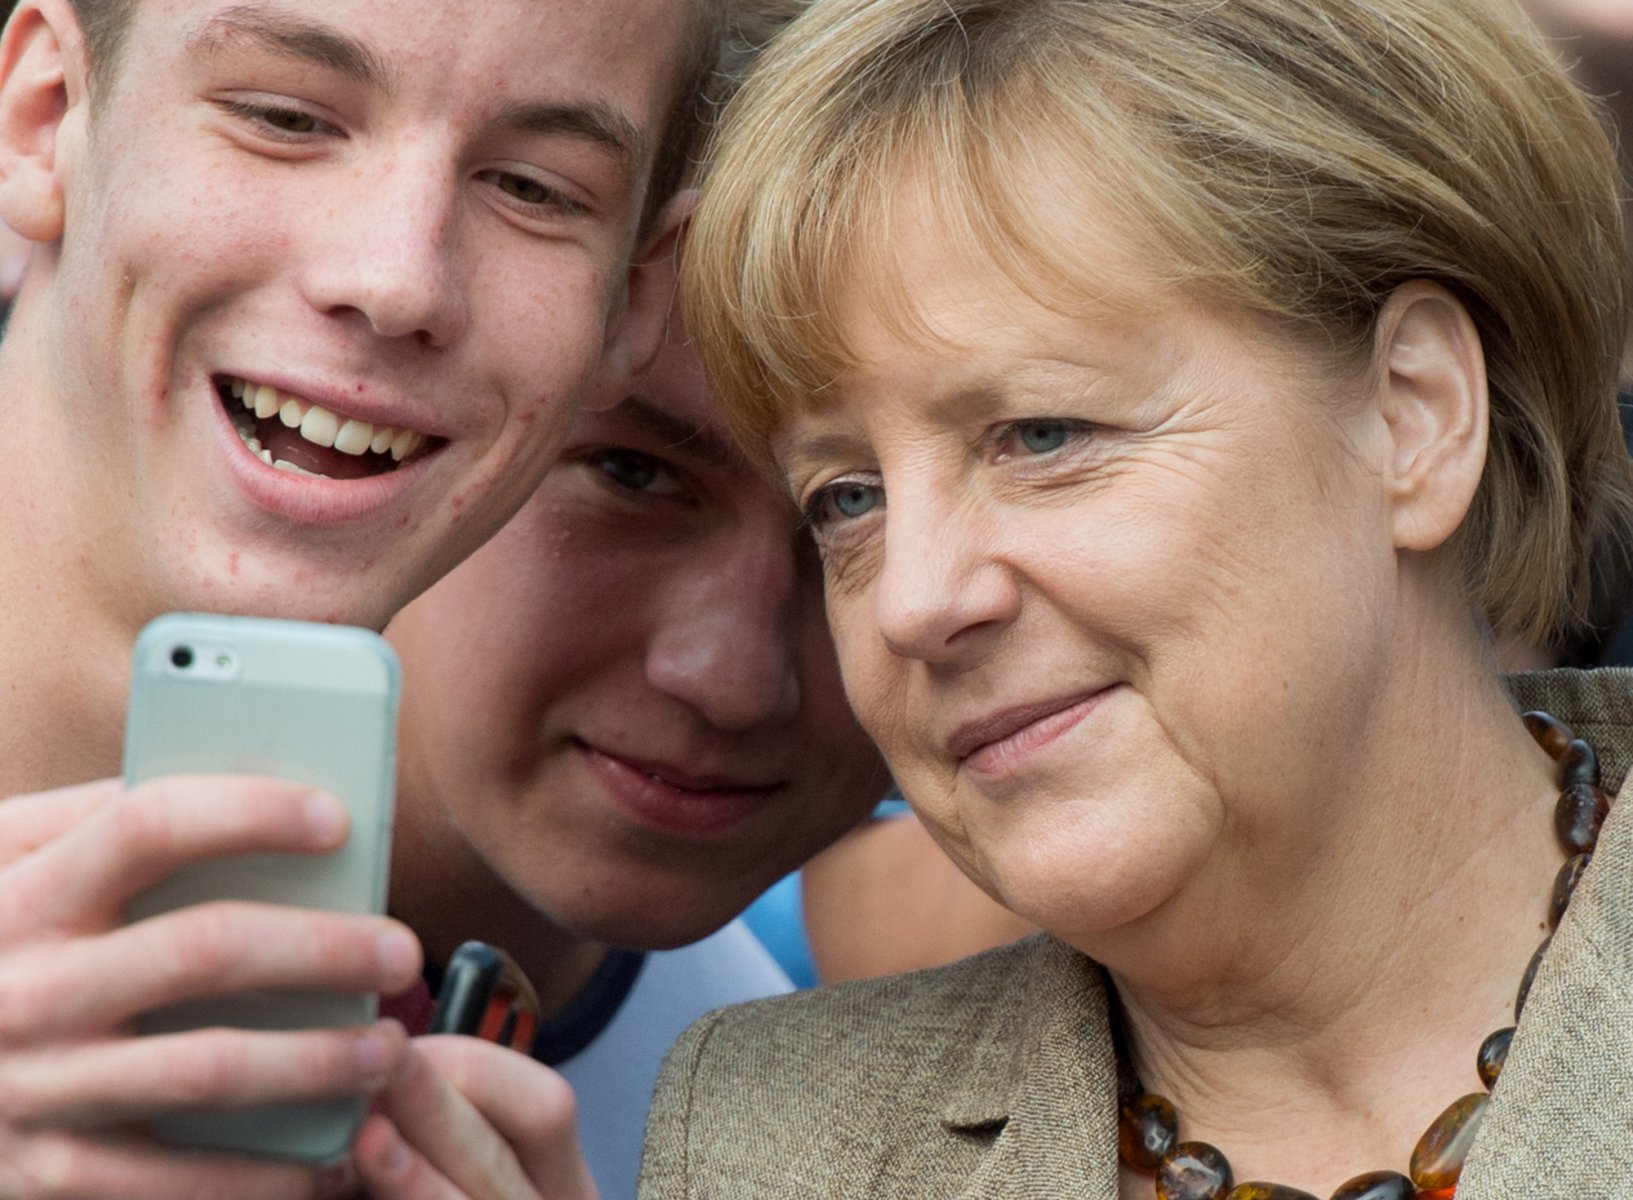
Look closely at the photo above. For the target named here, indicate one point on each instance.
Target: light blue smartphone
(316, 704)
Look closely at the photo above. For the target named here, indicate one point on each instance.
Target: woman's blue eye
(854, 500)
(844, 500)
(1042, 437)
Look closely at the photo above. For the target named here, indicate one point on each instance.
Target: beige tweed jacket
(994, 1077)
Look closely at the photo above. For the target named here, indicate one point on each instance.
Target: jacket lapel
(1048, 1091)
(1560, 1123)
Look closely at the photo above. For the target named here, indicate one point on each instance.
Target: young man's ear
(1432, 396)
(636, 332)
(43, 80)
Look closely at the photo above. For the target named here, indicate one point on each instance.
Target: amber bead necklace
(1148, 1129)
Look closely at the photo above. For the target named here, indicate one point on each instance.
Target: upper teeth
(323, 428)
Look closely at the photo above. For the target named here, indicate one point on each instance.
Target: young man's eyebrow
(679, 433)
(590, 121)
(283, 32)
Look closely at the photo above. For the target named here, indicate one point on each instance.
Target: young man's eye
(531, 193)
(278, 121)
(291, 120)
(638, 472)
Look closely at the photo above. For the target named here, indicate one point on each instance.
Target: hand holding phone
(73, 976)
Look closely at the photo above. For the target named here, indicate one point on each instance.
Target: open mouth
(292, 434)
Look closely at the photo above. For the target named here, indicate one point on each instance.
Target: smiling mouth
(1002, 741)
(289, 433)
(674, 802)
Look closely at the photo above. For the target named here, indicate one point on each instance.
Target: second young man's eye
(638, 472)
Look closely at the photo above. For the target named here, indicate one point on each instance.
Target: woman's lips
(699, 807)
(1001, 742)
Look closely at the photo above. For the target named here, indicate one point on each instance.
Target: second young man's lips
(678, 800)
(992, 743)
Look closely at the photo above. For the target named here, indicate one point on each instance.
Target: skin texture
(338, 200)
(1146, 607)
(655, 604)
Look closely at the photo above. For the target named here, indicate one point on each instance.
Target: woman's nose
(940, 589)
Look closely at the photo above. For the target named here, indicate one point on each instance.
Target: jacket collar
(1042, 1082)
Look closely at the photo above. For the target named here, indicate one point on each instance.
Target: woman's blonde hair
(1293, 159)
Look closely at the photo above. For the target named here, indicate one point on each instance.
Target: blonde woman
(1182, 395)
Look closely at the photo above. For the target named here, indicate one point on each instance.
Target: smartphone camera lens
(181, 657)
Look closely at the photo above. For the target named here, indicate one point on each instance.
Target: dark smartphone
(485, 994)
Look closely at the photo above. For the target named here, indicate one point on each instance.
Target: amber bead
(1580, 812)
(1565, 887)
(1579, 764)
(1437, 1160)
(1266, 1191)
(1530, 976)
(1552, 734)
(1377, 1185)
(1146, 1132)
(1193, 1171)
(1493, 1054)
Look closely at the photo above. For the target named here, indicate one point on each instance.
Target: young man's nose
(728, 640)
(391, 253)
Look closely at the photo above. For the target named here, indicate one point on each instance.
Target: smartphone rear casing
(315, 704)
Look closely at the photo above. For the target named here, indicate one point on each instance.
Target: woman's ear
(43, 78)
(636, 331)
(1431, 379)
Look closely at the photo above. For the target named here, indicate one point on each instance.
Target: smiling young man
(622, 721)
(316, 286)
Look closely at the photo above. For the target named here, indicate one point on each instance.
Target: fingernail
(399, 953)
(325, 816)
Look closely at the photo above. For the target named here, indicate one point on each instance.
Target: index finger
(530, 1106)
(30, 821)
(85, 876)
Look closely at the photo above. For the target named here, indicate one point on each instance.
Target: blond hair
(1293, 159)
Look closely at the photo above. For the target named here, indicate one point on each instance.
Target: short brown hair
(1293, 159)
